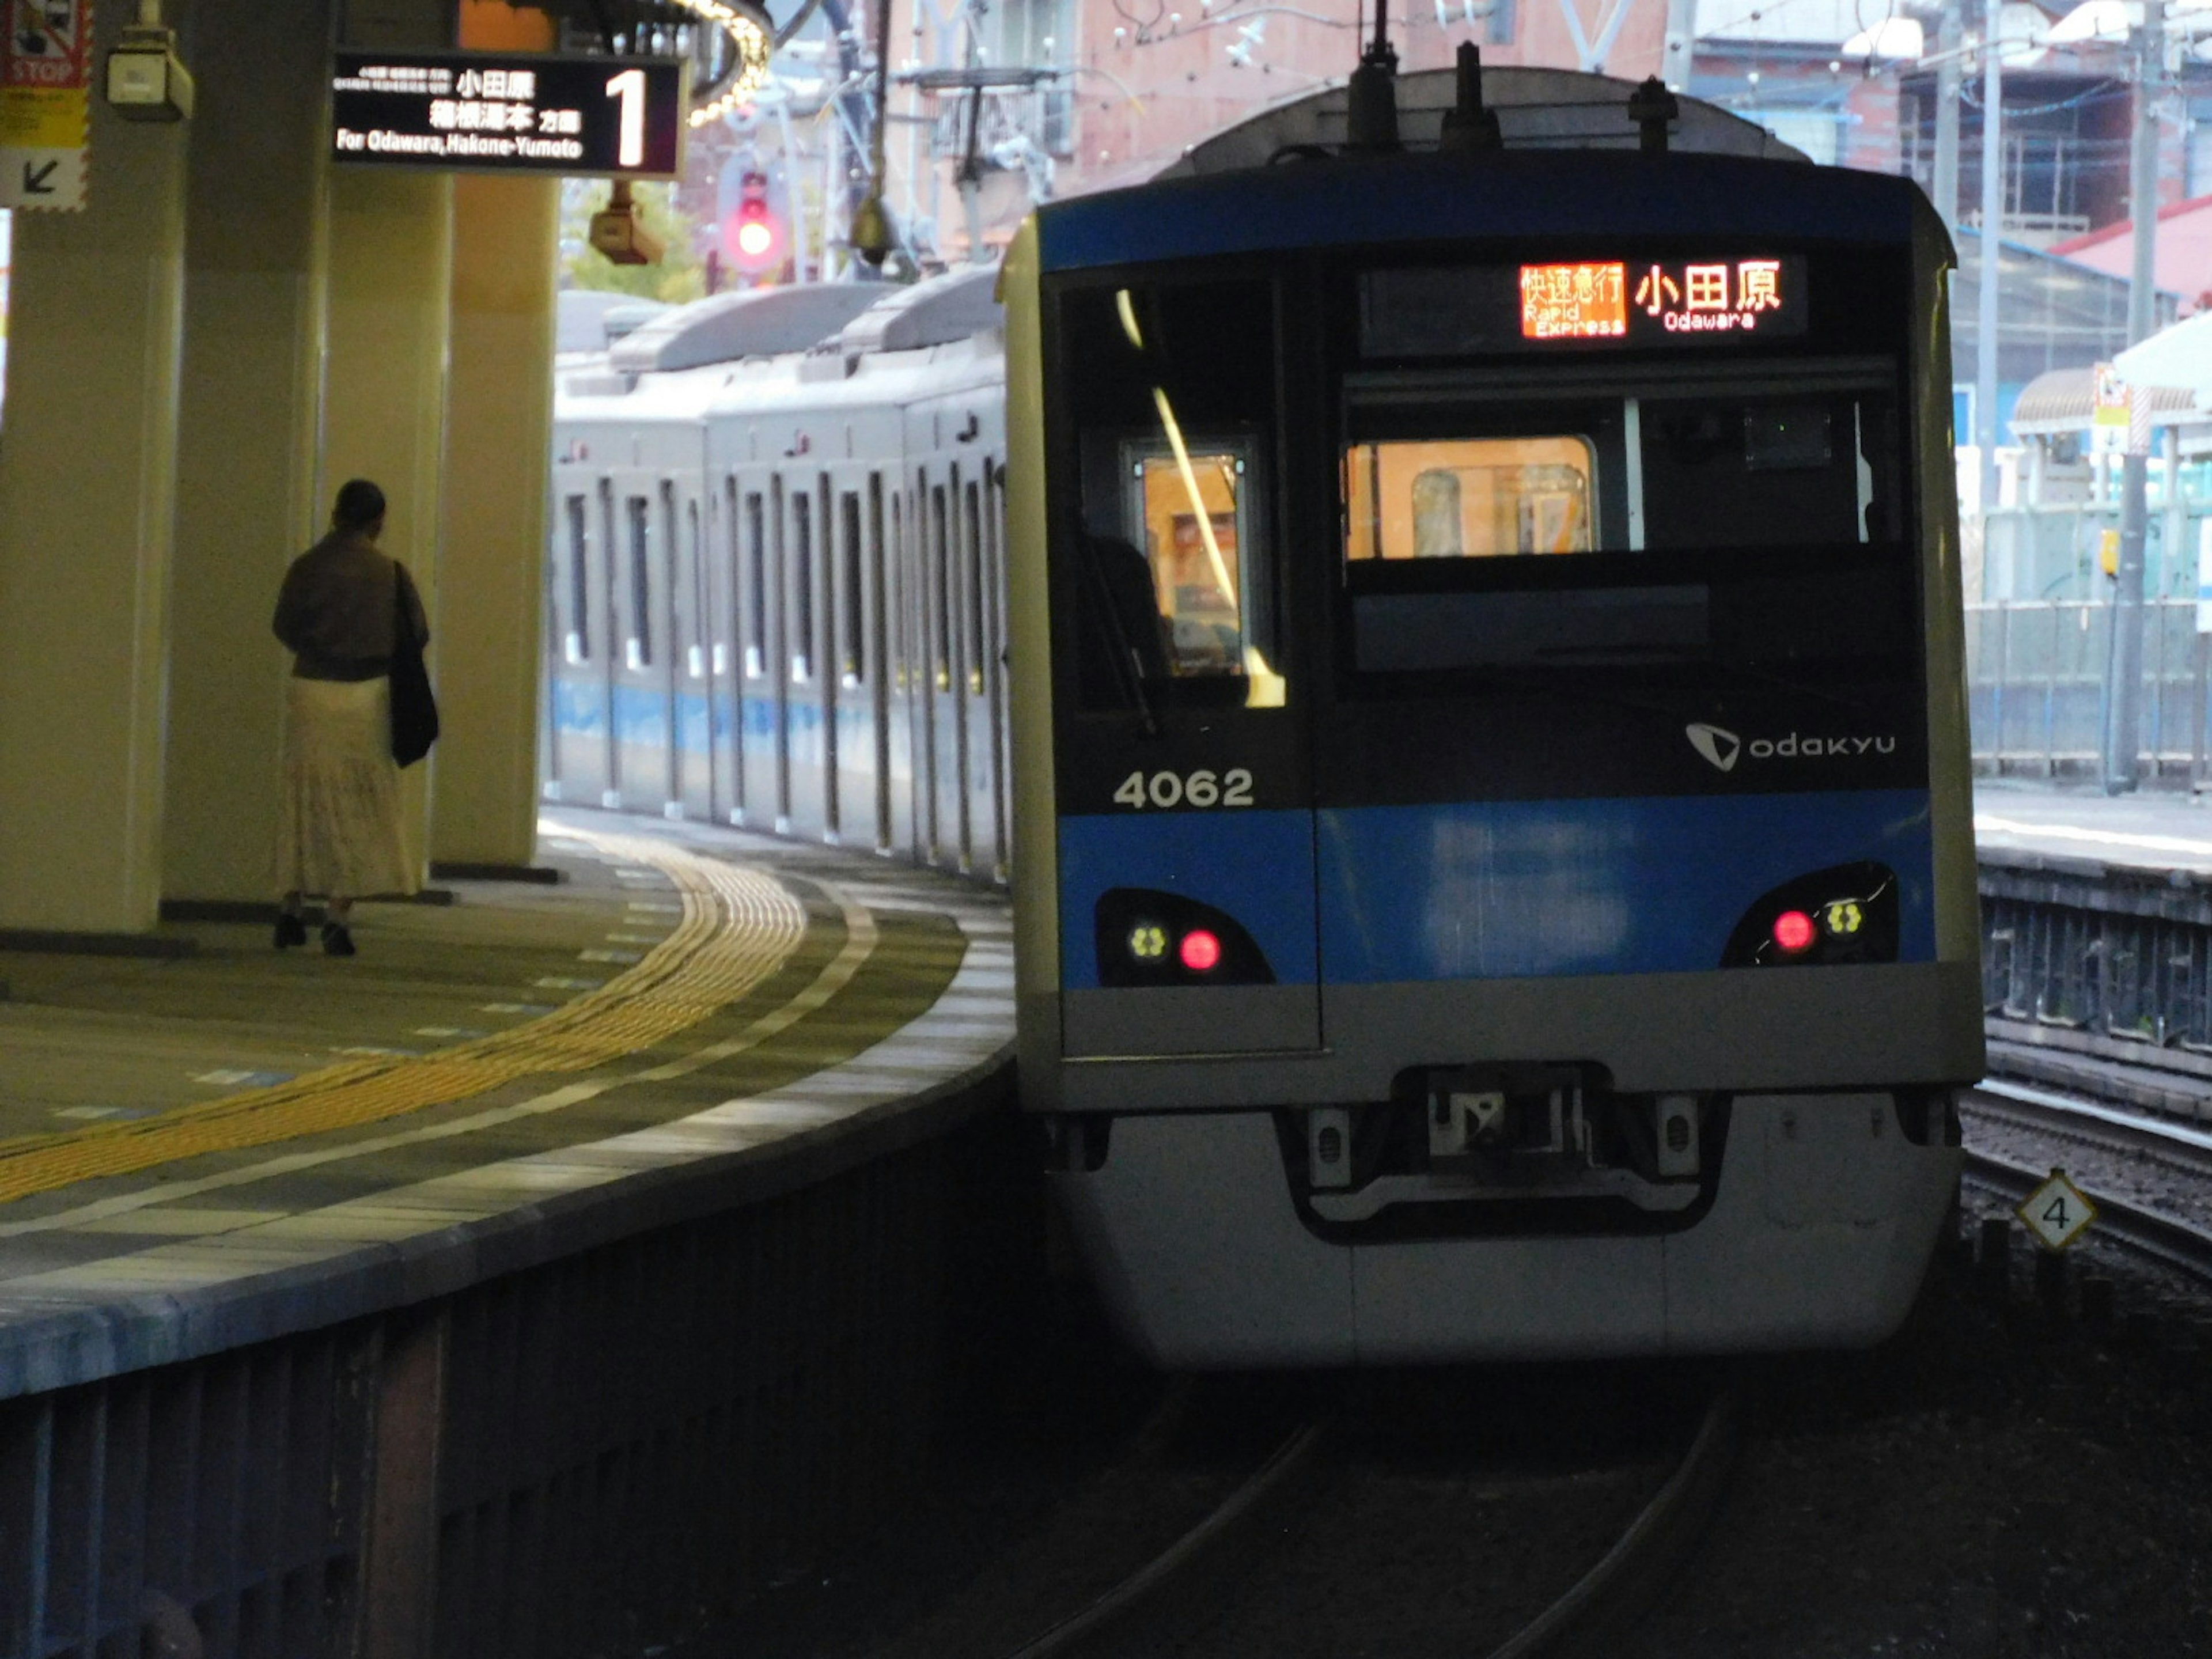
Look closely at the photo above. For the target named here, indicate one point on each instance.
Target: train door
(950, 713)
(823, 643)
(802, 709)
(904, 606)
(641, 735)
(605, 587)
(695, 746)
(995, 656)
(878, 665)
(575, 680)
(725, 648)
(668, 687)
(781, 666)
(1184, 800)
(931, 673)
(856, 748)
(760, 768)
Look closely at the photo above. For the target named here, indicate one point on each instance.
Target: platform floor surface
(169, 1126)
(2145, 830)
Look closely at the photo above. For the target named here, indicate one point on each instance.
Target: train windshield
(1505, 526)
(1175, 411)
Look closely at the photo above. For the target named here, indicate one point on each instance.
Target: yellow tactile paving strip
(738, 927)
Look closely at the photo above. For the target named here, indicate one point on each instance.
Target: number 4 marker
(2056, 1212)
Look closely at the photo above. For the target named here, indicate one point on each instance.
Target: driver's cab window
(1167, 562)
(1189, 505)
(1469, 498)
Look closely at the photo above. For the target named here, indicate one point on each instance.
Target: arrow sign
(34, 180)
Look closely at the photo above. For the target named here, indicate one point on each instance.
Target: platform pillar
(384, 397)
(250, 411)
(87, 483)
(499, 403)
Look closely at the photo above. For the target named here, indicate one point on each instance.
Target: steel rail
(2172, 1243)
(1145, 1612)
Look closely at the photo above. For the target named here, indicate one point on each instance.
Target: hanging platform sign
(45, 81)
(619, 118)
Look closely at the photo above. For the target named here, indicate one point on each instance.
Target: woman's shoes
(290, 930)
(336, 940)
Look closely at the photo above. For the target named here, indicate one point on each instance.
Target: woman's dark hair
(359, 505)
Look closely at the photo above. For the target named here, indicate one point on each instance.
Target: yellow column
(87, 479)
(499, 410)
(251, 408)
(384, 399)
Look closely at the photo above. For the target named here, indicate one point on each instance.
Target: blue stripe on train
(1496, 889)
(1514, 890)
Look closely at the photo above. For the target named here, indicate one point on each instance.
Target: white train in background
(776, 570)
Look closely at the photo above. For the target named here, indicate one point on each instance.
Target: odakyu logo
(1723, 748)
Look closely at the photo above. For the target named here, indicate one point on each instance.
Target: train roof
(763, 322)
(934, 312)
(1536, 109)
(1405, 199)
(586, 318)
(1572, 166)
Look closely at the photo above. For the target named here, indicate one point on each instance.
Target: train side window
(850, 609)
(1466, 498)
(802, 586)
(578, 644)
(901, 646)
(755, 585)
(640, 584)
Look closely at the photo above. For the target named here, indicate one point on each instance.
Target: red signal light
(754, 239)
(1794, 932)
(1200, 951)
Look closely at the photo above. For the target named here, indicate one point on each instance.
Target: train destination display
(524, 112)
(1436, 311)
(1612, 300)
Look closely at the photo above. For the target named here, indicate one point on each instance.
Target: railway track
(1175, 1603)
(2126, 1140)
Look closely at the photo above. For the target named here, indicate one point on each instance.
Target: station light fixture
(144, 80)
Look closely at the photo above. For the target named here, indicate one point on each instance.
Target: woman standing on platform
(340, 611)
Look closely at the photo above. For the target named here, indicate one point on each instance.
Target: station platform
(2152, 830)
(228, 1143)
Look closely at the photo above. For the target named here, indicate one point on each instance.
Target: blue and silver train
(1461, 650)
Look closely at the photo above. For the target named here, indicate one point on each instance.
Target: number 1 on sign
(629, 86)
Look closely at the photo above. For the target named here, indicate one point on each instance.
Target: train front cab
(1494, 867)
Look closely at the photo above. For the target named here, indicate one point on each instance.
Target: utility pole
(1985, 317)
(2123, 675)
(1947, 33)
(1681, 44)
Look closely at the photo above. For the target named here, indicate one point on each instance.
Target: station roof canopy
(2063, 400)
(2177, 356)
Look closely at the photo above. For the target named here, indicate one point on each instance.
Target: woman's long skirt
(338, 829)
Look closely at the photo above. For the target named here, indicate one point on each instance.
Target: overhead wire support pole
(2124, 681)
(1992, 240)
(1946, 173)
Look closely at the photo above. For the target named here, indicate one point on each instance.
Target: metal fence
(2100, 965)
(599, 1456)
(2035, 677)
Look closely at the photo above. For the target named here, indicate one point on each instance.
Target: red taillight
(1794, 932)
(1201, 950)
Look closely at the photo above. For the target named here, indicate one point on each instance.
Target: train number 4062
(1166, 789)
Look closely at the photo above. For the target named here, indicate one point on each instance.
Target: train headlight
(1844, 917)
(1148, 941)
